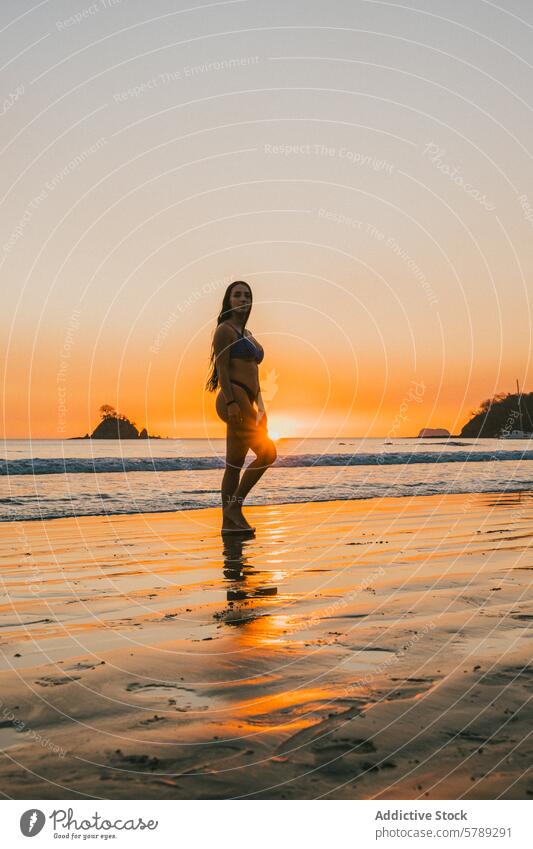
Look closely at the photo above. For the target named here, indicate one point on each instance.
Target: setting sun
(280, 427)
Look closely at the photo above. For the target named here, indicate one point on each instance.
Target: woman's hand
(234, 413)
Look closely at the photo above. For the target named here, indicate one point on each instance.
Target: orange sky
(318, 378)
(368, 173)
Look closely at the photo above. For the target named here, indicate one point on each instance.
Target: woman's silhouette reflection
(245, 583)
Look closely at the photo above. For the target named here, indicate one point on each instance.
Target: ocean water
(45, 478)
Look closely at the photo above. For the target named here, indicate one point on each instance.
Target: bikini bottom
(247, 389)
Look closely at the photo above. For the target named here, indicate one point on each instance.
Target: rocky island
(114, 425)
(430, 432)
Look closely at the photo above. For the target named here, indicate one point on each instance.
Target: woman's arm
(221, 343)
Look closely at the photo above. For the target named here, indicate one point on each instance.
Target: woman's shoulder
(224, 331)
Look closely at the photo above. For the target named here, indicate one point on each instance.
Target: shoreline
(522, 490)
(375, 648)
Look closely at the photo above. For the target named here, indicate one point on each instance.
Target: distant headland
(114, 425)
(503, 415)
(430, 432)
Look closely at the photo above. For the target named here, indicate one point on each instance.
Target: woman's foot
(231, 527)
(234, 519)
(245, 524)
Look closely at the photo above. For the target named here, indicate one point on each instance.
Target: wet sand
(367, 649)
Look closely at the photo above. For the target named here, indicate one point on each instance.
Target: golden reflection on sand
(345, 649)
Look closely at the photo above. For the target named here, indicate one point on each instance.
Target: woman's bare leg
(266, 453)
(238, 439)
(236, 450)
(235, 456)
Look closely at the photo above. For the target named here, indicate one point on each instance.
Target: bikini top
(244, 349)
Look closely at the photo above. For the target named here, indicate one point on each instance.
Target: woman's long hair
(225, 312)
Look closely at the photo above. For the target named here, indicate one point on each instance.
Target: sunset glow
(380, 248)
(282, 427)
(267, 420)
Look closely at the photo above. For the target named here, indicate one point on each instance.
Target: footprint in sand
(152, 719)
(56, 681)
(142, 762)
(344, 745)
(158, 696)
(136, 686)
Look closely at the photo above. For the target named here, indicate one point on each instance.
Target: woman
(235, 357)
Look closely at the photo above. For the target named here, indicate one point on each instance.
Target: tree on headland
(107, 411)
(500, 415)
(485, 405)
